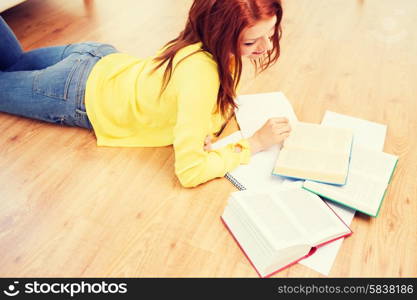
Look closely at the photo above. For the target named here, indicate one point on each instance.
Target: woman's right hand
(273, 132)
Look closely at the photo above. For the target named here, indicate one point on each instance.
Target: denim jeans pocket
(55, 81)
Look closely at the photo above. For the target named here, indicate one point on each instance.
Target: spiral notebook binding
(234, 181)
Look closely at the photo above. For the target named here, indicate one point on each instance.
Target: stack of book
(340, 160)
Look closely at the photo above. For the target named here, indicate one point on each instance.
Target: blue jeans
(47, 84)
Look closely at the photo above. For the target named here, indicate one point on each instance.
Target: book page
(324, 257)
(375, 165)
(254, 110)
(319, 222)
(368, 178)
(300, 162)
(271, 218)
(366, 134)
(255, 218)
(264, 262)
(259, 258)
(264, 243)
(315, 152)
(360, 192)
(315, 137)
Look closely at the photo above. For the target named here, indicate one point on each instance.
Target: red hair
(219, 24)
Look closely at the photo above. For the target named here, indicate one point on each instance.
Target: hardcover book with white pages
(369, 176)
(315, 152)
(277, 228)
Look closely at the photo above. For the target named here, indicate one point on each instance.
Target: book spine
(234, 181)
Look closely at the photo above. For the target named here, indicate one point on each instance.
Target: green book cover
(353, 207)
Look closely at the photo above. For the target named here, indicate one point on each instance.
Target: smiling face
(257, 40)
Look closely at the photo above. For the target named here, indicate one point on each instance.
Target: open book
(315, 152)
(277, 228)
(369, 175)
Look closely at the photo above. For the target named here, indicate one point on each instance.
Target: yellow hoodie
(123, 104)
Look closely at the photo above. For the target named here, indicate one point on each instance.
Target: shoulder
(194, 57)
(193, 65)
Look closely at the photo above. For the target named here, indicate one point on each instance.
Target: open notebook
(276, 229)
(315, 152)
(252, 113)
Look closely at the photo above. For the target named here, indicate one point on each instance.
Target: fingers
(281, 131)
(282, 128)
(279, 120)
(279, 125)
(207, 143)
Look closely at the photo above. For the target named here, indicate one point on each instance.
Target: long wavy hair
(218, 25)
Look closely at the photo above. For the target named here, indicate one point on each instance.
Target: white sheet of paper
(366, 134)
(254, 110)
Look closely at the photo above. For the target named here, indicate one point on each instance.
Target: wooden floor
(70, 208)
